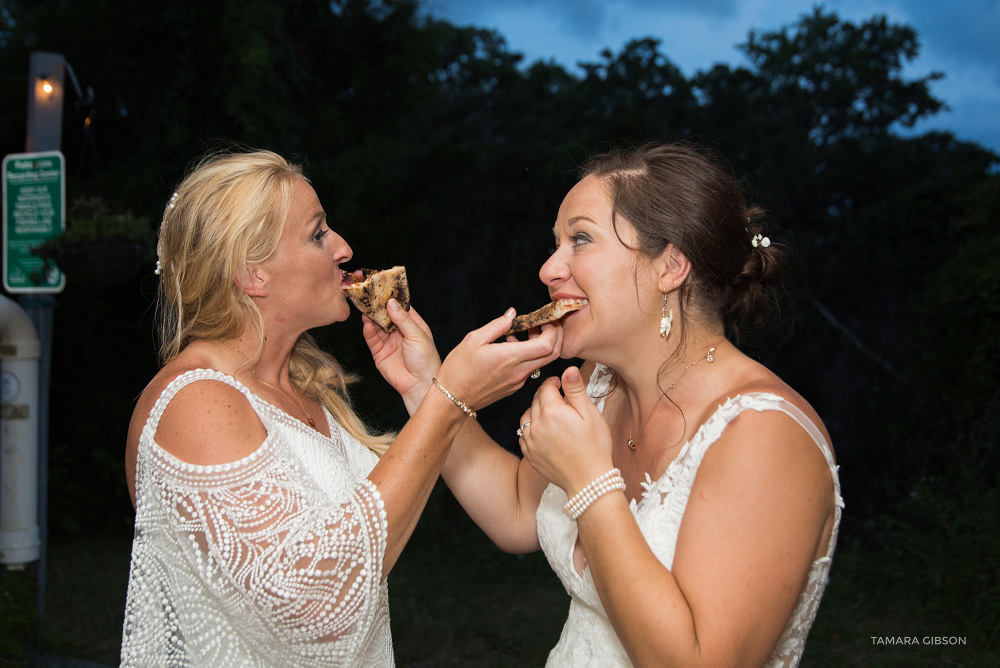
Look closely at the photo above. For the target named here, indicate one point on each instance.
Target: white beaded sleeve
(253, 562)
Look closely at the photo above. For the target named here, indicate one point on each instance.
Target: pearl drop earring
(666, 319)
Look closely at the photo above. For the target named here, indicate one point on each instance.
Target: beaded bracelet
(461, 404)
(611, 481)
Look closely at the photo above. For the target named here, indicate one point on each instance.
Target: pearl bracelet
(611, 481)
(461, 404)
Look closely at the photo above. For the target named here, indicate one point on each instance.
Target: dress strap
(182, 381)
(777, 402)
(797, 414)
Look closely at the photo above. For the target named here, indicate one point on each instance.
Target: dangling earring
(666, 319)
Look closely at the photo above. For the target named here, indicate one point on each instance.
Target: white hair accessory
(163, 223)
(760, 240)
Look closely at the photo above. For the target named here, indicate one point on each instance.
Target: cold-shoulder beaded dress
(271, 560)
(588, 639)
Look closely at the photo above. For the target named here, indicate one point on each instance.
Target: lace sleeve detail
(310, 570)
(599, 385)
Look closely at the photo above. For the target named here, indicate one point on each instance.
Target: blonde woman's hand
(406, 357)
(568, 440)
(483, 368)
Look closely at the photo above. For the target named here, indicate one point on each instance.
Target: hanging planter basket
(100, 248)
(103, 263)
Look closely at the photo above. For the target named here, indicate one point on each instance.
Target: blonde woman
(684, 494)
(267, 516)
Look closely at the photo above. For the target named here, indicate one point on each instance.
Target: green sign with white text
(34, 211)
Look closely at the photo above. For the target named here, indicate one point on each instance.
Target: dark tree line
(438, 147)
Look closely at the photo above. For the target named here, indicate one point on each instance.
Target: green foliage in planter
(100, 247)
(90, 220)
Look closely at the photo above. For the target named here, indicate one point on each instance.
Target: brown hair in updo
(674, 193)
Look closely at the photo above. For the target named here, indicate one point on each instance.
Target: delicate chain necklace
(631, 443)
(312, 423)
(634, 444)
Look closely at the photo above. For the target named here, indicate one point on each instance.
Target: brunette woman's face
(304, 273)
(591, 262)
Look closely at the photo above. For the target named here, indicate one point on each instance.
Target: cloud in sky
(956, 38)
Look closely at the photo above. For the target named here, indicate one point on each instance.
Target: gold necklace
(632, 443)
(312, 423)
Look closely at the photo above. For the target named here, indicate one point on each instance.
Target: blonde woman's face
(304, 273)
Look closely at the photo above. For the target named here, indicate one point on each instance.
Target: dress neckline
(650, 483)
(276, 413)
(599, 382)
(281, 412)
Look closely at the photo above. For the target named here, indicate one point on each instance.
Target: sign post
(34, 211)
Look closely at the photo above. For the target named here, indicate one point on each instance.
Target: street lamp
(45, 100)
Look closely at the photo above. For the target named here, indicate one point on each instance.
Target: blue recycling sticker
(10, 386)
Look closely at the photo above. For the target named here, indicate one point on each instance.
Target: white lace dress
(271, 560)
(587, 639)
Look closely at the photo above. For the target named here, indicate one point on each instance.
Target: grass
(85, 598)
(856, 608)
(456, 600)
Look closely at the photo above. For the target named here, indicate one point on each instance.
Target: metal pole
(44, 133)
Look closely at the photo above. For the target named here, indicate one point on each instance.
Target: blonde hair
(228, 212)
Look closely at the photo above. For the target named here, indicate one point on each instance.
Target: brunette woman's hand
(568, 440)
(406, 357)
